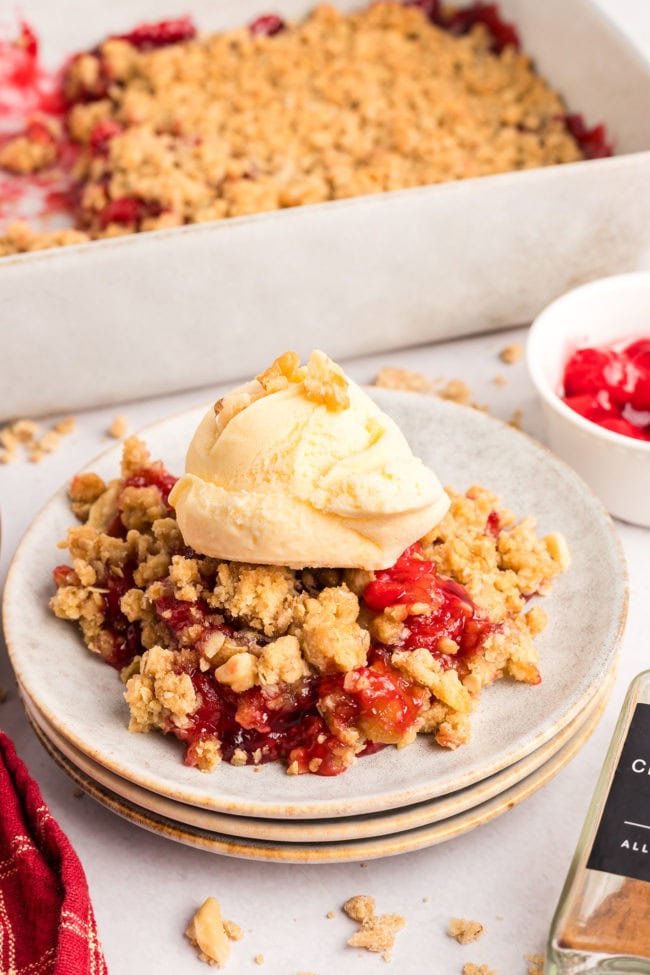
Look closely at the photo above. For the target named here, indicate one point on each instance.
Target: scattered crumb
(499, 917)
(376, 931)
(65, 426)
(465, 931)
(425, 900)
(511, 353)
(78, 793)
(25, 435)
(119, 427)
(4, 694)
(233, 930)
(457, 391)
(500, 381)
(515, 420)
(391, 377)
(469, 968)
(363, 865)
(259, 959)
(207, 933)
(535, 964)
(330, 915)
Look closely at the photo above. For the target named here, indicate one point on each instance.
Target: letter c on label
(639, 765)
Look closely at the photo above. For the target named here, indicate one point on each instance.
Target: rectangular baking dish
(137, 316)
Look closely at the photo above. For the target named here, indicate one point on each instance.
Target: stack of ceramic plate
(390, 802)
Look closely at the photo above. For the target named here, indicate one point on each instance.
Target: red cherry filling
(611, 387)
(412, 580)
(267, 26)
(593, 142)
(147, 37)
(319, 724)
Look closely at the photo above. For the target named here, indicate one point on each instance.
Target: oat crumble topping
(465, 932)
(334, 106)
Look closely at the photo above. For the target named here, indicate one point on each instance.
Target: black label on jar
(622, 844)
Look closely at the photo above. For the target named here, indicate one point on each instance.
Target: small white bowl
(608, 310)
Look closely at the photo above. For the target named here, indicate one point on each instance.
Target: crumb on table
(208, 934)
(511, 353)
(25, 435)
(391, 377)
(119, 427)
(469, 968)
(535, 963)
(465, 931)
(376, 932)
(259, 959)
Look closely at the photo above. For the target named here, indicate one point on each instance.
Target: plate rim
(297, 831)
(321, 808)
(349, 851)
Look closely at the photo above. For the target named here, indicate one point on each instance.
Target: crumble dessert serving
(312, 658)
(164, 126)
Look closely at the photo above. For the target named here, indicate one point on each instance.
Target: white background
(507, 874)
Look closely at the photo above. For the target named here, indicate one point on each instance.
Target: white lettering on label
(635, 847)
(640, 765)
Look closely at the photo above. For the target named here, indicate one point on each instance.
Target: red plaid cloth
(47, 925)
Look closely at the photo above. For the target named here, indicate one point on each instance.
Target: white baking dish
(135, 316)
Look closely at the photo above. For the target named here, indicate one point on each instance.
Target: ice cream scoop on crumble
(301, 468)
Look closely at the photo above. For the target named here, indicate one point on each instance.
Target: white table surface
(507, 874)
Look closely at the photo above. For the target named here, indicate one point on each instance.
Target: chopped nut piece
(119, 427)
(511, 353)
(238, 672)
(465, 931)
(206, 931)
(325, 382)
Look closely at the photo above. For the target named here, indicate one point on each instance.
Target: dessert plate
(81, 697)
(327, 852)
(317, 830)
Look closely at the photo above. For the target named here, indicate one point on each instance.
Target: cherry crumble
(251, 664)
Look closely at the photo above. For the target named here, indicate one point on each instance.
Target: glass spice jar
(602, 922)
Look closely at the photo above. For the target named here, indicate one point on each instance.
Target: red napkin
(47, 925)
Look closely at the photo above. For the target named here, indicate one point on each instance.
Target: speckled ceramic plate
(328, 852)
(324, 830)
(81, 697)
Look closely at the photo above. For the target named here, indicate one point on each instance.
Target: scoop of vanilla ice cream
(311, 473)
